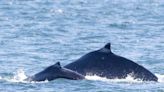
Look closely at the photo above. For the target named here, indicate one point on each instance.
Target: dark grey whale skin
(104, 63)
(53, 72)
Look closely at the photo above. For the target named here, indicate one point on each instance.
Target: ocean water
(37, 33)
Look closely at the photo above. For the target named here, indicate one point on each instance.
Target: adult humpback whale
(104, 63)
(53, 72)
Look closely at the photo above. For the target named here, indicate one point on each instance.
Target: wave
(20, 76)
(104, 79)
(160, 77)
(128, 79)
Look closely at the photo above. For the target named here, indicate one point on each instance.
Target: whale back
(55, 71)
(104, 63)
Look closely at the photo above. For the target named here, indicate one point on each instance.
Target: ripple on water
(36, 34)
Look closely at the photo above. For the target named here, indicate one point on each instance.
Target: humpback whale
(105, 63)
(53, 72)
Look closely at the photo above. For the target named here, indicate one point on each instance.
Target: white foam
(160, 78)
(60, 10)
(19, 76)
(128, 79)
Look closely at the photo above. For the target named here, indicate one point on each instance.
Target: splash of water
(19, 76)
(160, 78)
(129, 78)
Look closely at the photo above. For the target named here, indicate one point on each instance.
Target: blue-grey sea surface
(37, 33)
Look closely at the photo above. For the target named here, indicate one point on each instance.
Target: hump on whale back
(108, 46)
(57, 65)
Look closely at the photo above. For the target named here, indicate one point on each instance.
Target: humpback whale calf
(55, 71)
(105, 63)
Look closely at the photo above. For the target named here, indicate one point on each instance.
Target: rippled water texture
(37, 33)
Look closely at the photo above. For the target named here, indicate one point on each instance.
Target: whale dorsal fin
(57, 65)
(106, 48)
